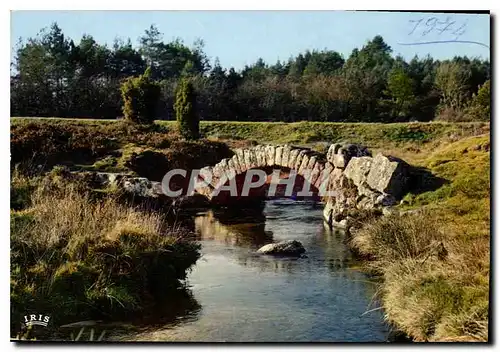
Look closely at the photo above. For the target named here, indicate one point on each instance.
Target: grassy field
(373, 135)
(434, 261)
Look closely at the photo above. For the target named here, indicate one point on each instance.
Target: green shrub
(406, 133)
(140, 96)
(185, 110)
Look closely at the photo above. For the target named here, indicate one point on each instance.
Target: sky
(239, 38)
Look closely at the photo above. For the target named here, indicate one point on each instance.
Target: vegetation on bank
(77, 257)
(435, 258)
(79, 253)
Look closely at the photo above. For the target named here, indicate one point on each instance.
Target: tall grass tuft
(435, 285)
(77, 258)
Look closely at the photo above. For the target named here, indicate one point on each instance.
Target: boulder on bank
(340, 155)
(358, 169)
(388, 175)
(142, 187)
(285, 248)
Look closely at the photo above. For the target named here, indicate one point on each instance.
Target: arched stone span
(358, 180)
(310, 167)
(286, 184)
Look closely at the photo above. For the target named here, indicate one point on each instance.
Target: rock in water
(292, 247)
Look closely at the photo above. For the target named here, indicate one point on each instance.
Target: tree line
(53, 76)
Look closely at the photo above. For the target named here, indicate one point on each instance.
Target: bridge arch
(348, 177)
(309, 166)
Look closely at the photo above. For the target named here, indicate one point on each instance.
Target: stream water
(238, 295)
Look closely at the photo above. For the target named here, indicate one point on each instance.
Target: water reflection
(248, 228)
(248, 297)
(250, 233)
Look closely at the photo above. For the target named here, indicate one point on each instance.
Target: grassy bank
(76, 257)
(369, 134)
(435, 259)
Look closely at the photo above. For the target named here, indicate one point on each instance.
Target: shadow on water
(235, 215)
(254, 228)
(327, 249)
(177, 307)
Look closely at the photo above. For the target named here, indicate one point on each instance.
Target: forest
(52, 75)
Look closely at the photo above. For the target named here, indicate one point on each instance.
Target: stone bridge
(358, 179)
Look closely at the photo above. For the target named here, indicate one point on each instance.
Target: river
(241, 296)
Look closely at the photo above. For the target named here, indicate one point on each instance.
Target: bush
(21, 188)
(185, 110)
(46, 143)
(140, 97)
(407, 133)
(189, 155)
(148, 163)
(452, 115)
